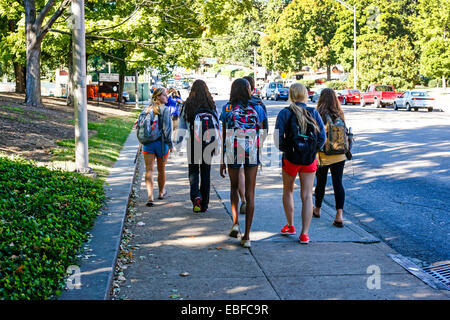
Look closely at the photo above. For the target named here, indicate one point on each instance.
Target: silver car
(414, 100)
(315, 97)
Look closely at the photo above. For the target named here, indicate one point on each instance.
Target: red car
(347, 96)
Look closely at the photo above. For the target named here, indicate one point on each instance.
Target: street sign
(105, 77)
(284, 75)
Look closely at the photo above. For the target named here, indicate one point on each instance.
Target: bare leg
(250, 182)
(234, 193)
(149, 167)
(306, 184)
(339, 217)
(288, 197)
(161, 164)
(242, 184)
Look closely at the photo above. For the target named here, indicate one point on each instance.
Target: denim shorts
(155, 148)
(241, 165)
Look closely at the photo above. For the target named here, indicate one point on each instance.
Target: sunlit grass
(104, 146)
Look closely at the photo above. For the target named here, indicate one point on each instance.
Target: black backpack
(301, 148)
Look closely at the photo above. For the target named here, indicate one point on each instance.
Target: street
(398, 183)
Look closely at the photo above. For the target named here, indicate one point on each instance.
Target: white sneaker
(234, 231)
(245, 244)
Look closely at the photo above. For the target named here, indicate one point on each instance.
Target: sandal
(149, 203)
(315, 215)
(338, 224)
(163, 196)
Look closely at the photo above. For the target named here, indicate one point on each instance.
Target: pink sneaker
(304, 238)
(288, 230)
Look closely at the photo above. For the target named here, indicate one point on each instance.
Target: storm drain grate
(437, 276)
(440, 271)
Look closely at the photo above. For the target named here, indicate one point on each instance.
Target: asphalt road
(398, 184)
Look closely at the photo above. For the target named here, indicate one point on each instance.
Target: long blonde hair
(154, 104)
(299, 93)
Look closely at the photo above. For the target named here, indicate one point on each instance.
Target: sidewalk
(185, 255)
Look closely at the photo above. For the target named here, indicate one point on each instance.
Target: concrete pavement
(178, 254)
(184, 255)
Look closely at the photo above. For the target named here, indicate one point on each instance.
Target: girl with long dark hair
(328, 105)
(199, 117)
(241, 123)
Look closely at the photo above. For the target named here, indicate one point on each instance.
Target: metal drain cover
(437, 276)
(440, 272)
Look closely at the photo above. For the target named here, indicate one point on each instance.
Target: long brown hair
(299, 93)
(328, 104)
(199, 98)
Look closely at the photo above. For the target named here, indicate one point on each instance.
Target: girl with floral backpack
(241, 125)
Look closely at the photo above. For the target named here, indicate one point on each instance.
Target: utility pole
(136, 90)
(79, 88)
(254, 63)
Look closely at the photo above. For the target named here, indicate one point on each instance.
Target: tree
(435, 60)
(387, 61)
(11, 38)
(302, 35)
(432, 27)
(36, 30)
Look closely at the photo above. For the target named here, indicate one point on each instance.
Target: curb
(96, 269)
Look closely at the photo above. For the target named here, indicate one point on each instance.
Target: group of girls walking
(237, 134)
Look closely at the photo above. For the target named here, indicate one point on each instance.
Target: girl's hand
(223, 170)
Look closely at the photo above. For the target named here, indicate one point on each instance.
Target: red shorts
(293, 169)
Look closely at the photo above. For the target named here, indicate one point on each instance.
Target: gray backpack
(149, 127)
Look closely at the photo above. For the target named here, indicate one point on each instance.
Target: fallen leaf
(185, 274)
(140, 223)
(218, 248)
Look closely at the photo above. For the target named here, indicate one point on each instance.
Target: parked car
(316, 95)
(414, 100)
(380, 95)
(347, 96)
(276, 91)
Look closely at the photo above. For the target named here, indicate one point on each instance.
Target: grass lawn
(104, 146)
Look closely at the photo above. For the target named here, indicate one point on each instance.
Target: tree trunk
(33, 84)
(19, 72)
(34, 40)
(328, 73)
(444, 83)
(121, 84)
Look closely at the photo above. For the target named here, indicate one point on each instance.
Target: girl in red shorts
(308, 119)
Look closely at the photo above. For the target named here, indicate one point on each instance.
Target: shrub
(307, 83)
(336, 85)
(45, 215)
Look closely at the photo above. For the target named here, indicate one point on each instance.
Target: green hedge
(336, 85)
(45, 215)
